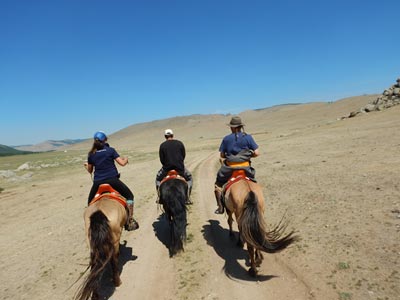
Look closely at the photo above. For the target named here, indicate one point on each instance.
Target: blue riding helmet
(100, 136)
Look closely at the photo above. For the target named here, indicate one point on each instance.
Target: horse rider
(101, 160)
(172, 155)
(236, 150)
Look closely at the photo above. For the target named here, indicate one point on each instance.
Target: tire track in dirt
(153, 275)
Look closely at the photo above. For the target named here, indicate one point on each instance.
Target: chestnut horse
(104, 220)
(245, 200)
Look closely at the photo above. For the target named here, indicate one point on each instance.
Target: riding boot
(188, 200)
(218, 195)
(131, 223)
(158, 191)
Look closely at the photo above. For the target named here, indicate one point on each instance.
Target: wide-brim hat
(236, 121)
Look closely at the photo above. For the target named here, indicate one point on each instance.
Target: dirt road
(212, 266)
(337, 181)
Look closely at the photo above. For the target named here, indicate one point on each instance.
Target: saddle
(172, 174)
(235, 177)
(106, 190)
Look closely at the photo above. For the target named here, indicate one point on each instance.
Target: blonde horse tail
(101, 251)
(253, 230)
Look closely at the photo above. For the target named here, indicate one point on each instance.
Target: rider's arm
(88, 167)
(122, 161)
(222, 158)
(256, 153)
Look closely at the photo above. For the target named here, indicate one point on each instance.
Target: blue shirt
(233, 143)
(103, 162)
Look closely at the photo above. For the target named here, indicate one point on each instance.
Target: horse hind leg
(259, 258)
(230, 222)
(253, 269)
(95, 296)
(240, 242)
(115, 271)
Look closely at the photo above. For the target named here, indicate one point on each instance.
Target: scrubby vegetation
(7, 151)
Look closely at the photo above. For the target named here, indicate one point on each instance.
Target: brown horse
(104, 220)
(245, 199)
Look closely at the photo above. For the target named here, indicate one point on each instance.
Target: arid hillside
(199, 130)
(335, 180)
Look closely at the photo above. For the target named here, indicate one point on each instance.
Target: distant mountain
(50, 145)
(7, 151)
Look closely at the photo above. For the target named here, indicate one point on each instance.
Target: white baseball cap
(168, 132)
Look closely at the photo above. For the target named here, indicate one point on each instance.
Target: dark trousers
(115, 184)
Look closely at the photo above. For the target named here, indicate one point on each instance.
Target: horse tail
(174, 197)
(101, 251)
(253, 228)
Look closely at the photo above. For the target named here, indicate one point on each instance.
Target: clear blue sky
(70, 68)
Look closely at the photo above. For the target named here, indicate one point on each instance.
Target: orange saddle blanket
(106, 190)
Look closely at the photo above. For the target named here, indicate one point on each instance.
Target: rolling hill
(7, 151)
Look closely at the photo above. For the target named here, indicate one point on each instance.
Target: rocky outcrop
(390, 97)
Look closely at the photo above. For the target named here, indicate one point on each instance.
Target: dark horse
(104, 220)
(245, 200)
(173, 198)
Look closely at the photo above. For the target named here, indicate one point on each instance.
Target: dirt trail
(337, 181)
(212, 267)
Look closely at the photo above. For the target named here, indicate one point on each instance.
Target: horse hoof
(117, 282)
(252, 272)
(219, 211)
(95, 296)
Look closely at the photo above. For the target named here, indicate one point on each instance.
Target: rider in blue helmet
(101, 160)
(100, 136)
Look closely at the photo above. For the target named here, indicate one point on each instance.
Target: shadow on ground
(107, 287)
(161, 230)
(226, 248)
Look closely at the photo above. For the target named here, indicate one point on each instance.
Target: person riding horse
(236, 150)
(101, 160)
(172, 155)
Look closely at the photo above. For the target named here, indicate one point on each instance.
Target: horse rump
(173, 196)
(101, 251)
(253, 229)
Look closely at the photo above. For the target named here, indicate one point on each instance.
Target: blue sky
(70, 68)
